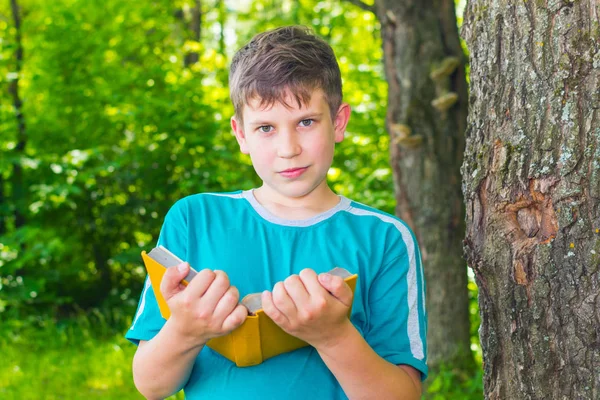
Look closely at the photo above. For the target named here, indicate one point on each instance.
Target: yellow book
(258, 338)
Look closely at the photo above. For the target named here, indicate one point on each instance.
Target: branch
(363, 5)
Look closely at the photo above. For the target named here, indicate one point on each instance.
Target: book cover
(258, 338)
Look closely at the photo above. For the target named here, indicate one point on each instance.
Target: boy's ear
(341, 121)
(238, 131)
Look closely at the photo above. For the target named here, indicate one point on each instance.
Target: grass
(80, 358)
(87, 357)
(450, 383)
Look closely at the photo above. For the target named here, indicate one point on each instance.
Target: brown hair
(288, 58)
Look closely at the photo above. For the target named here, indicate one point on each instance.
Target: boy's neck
(317, 202)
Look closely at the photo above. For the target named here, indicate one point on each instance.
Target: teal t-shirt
(234, 233)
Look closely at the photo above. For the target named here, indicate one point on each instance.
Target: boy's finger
(296, 290)
(282, 300)
(311, 283)
(170, 283)
(337, 287)
(271, 310)
(215, 291)
(201, 282)
(227, 303)
(235, 319)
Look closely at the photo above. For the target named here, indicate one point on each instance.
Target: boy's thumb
(171, 281)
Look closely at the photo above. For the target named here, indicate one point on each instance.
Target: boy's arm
(208, 307)
(363, 374)
(315, 309)
(162, 366)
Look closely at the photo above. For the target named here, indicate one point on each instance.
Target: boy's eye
(265, 128)
(306, 122)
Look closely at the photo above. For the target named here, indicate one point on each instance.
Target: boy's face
(291, 147)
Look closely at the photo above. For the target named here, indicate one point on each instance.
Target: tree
(18, 189)
(191, 16)
(118, 128)
(426, 117)
(532, 189)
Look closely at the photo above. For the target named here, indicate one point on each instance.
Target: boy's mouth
(293, 172)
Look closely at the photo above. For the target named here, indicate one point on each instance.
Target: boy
(287, 94)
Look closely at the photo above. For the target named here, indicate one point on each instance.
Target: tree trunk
(195, 20)
(427, 106)
(189, 28)
(18, 186)
(3, 213)
(532, 188)
(221, 6)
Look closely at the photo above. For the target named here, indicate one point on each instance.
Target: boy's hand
(208, 307)
(310, 307)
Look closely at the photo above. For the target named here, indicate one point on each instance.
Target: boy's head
(287, 60)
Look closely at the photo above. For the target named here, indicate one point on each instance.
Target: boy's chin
(298, 190)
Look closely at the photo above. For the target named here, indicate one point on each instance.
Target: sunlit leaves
(119, 128)
(355, 37)
(111, 112)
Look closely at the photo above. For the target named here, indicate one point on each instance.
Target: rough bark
(426, 118)
(532, 189)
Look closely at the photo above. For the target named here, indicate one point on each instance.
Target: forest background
(122, 109)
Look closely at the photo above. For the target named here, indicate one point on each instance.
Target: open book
(258, 338)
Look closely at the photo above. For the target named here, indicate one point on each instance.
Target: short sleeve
(147, 321)
(397, 327)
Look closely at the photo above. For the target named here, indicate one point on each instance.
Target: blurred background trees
(426, 116)
(123, 110)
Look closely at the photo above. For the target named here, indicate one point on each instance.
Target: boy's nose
(289, 146)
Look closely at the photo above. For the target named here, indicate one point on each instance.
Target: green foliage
(361, 169)
(449, 382)
(118, 127)
(475, 320)
(452, 383)
(85, 357)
